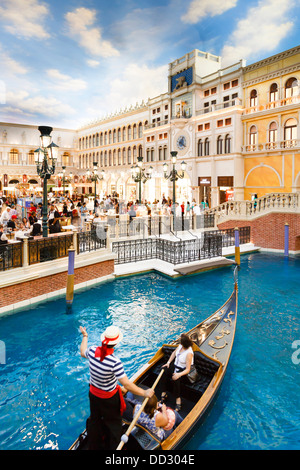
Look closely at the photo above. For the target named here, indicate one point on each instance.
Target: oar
(124, 438)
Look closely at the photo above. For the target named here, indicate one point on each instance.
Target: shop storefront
(225, 184)
(204, 183)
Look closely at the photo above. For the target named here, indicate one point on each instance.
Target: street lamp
(174, 176)
(139, 175)
(45, 158)
(95, 177)
(64, 179)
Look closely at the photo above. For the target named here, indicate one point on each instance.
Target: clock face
(181, 142)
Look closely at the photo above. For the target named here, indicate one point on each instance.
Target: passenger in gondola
(159, 419)
(106, 400)
(177, 367)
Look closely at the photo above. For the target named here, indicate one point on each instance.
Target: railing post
(25, 248)
(107, 229)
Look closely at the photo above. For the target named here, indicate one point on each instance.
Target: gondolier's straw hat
(111, 336)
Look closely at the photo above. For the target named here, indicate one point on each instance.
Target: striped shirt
(105, 374)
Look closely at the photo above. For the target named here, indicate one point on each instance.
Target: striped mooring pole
(70, 280)
(237, 246)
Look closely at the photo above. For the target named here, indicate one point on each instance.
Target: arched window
(79, 144)
(227, 144)
(119, 157)
(253, 136)
(140, 130)
(206, 146)
(291, 87)
(253, 98)
(31, 160)
(200, 148)
(148, 155)
(274, 92)
(290, 133)
(114, 157)
(129, 155)
(101, 158)
(13, 157)
(105, 138)
(94, 140)
(124, 134)
(97, 140)
(134, 131)
(129, 132)
(124, 156)
(65, 160)
(272, 134)
(114, 136)
(110, 137)
(219, 145)
(109, 158)
(119, 135)
(140, 150)
(134, 154)
(160, 154)
(105, 158)
(101, 138)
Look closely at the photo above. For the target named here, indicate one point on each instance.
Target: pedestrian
(106, 399)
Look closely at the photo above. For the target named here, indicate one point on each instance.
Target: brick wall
(44, 285)
(268, 231)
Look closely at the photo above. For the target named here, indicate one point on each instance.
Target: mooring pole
(237, 246)
(70, 280)
(286, 240)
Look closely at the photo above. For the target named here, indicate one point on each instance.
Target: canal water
(44, 381)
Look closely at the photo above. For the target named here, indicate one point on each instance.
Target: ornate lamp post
(95, 177)
(45, 158)
(174, 176)
(64, 179)
(139, 175)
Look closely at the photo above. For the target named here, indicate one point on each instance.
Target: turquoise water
(44, 383)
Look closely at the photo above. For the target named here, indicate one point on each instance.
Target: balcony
(272, 146)
(291, 100)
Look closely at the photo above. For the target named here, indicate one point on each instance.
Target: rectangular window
(200, 127)
(213, 91)
(234, 82)
(220, 123)
(207, 126)
(206, 93)
(226, 86)
(227, 121)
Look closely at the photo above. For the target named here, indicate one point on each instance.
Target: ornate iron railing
(123, 226)
(174, 252)
(50, 248)
(11, 256)
(91, 241)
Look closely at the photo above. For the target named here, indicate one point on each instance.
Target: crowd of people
(81, 209)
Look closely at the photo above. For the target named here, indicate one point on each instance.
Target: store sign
(204, 181)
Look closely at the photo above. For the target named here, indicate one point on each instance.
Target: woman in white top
(184, 359)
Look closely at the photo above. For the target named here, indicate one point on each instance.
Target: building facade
(236, 128)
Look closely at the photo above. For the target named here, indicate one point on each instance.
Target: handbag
(192, 375)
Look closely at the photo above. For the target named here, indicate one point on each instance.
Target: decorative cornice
(272, 75)
(272, 59)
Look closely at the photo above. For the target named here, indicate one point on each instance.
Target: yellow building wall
(270, 171)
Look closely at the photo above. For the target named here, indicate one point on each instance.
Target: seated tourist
(158, 419)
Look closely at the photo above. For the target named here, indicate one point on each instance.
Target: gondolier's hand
(175, 376)
(83, 331)
(167, 364)
(149, 393)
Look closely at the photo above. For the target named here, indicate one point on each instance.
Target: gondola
(212, 344)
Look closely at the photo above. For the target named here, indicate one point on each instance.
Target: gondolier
(106, 399)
